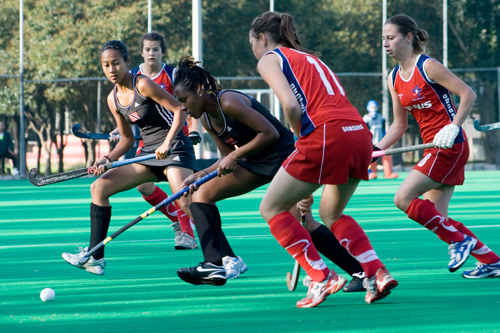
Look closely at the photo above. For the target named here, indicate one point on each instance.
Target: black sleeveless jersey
(236, 133)
(153, 120)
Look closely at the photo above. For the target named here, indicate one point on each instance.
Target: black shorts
(182, 156)
(269, 165)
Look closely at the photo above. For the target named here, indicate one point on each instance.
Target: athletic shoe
(307, 281)
(185, 242)
(356, 283)
(379, 285)
(483, 271)
(234, 266)
(176, 228)
(460, 251)
(92, 265)
(204, 273)
(319, 291)
(15, 172)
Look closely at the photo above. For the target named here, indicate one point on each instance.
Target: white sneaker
(460, 251)
(91, 266)
(185, 242)
(176, 228)
(15, 172)
(307, 281)
(319, 291)
(234, 266)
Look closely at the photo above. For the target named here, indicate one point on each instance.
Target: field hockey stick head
(76, 129)
(32, 177)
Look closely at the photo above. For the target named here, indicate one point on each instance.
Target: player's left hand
(162, 151)
(446, 136)
(304, 205)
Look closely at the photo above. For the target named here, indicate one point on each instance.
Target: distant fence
(359, 87)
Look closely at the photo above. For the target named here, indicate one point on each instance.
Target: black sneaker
(356, 283)
(204, 273)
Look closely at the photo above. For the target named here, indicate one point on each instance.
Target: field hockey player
(422, 86)
(315, 105)
(135, 99)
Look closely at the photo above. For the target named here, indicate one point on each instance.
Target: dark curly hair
(196, 78)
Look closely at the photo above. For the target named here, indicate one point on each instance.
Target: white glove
(446, 136)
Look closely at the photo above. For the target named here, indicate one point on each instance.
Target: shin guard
(296, 240)
(353, 238)
(100, 217)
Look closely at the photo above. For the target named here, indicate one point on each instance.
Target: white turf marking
(267, 236)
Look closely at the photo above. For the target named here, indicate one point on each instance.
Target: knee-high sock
(99, 224)
(208, 226)
(481, 252)
(425, 213)
(326, 243)
(226, 249)
(158, 196)
(353, 238)
(184, 221)
(297, 241)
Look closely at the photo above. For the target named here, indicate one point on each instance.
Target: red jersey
(317, 89)
(164, 79)
(429, 102)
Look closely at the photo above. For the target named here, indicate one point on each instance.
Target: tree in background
(63, 39)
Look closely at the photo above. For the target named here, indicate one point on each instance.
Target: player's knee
(97, 190)
(265, 211)
(401, 202)
(184, 204)
(146, 189)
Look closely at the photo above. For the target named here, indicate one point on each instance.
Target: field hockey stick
(165, 202)
(485, 128)
(95, 136)
(63, 176)
(393, 151)
(293, 278)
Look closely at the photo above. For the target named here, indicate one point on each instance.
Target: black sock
(326, 243)
(213, 242)
(226, 249)
(99, 224)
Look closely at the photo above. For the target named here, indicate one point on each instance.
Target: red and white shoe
(379, 285)
(319, 291)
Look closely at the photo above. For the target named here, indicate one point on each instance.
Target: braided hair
(196, 78)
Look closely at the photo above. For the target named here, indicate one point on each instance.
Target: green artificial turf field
(140, 291)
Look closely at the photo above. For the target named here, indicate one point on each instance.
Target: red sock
(184, 220)
(157, 197)
(425, 213)
(353, 238)
(297, 241)
(481, 252)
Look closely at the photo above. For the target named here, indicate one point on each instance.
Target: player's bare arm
(269, 69)
(442, 76)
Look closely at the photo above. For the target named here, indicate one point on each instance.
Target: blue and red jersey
(429, 102)
(316, 88)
